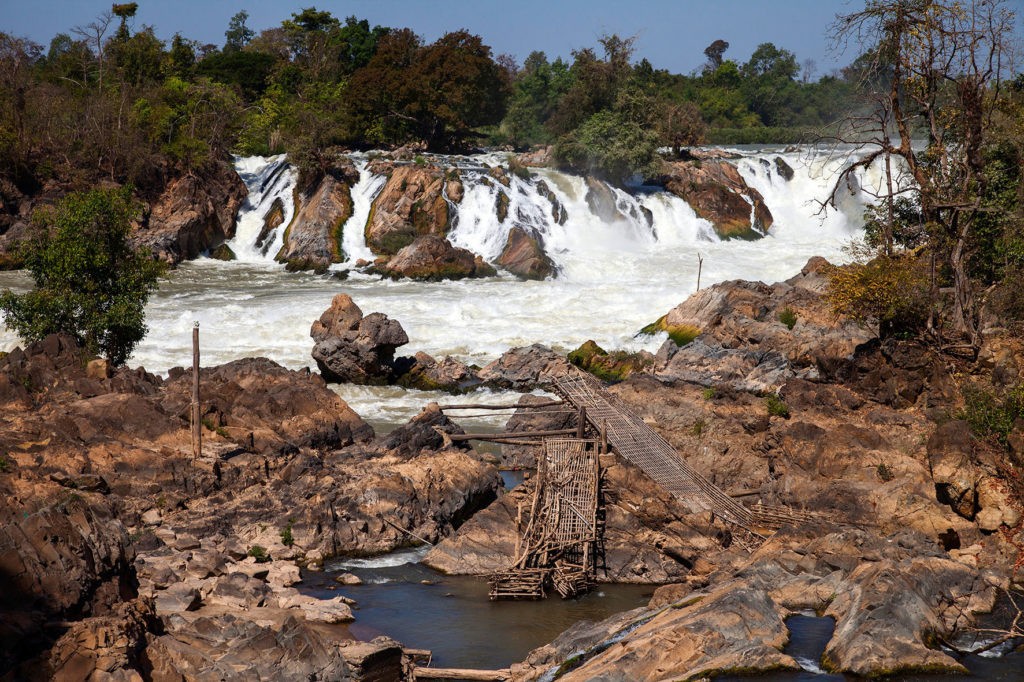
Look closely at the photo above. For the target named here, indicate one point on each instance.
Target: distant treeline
(106, 102)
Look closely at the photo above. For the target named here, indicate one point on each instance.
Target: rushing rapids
(614, 273)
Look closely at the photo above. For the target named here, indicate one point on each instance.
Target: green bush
(90, 282)
(259, 553)
(776, 408)
(788, 317)
(709, 393)
(286, 536)
(991, 414)
(884, 472)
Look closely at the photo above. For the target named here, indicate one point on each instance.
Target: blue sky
(671, 34)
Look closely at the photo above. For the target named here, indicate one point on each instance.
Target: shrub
(697, 430)
(90, 282)
(4, 464)
(259, 553)
(286, 536)
(788, 317)
(884, 472)
(776, 408)
(992, 415)
(709, 393)
(893, 291)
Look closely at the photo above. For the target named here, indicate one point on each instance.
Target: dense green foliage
(90, 282)
(108, 102)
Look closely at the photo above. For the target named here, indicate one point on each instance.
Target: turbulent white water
(614, 277)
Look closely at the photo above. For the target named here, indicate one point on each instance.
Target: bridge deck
(642, 446)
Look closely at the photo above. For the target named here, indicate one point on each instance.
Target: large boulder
(313, 239)
(754, 336)
(524, 255)
(262, 406)
(351, 348)
(195, 212)
(430, 257)
(411, 203)
(717, 192)
(525, 368)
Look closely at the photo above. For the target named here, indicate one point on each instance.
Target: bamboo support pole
(197, 422)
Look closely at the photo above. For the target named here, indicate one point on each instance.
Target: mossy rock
(680, 334)
(223, 252)
(501, 206)
(612, 367)
(317, 267)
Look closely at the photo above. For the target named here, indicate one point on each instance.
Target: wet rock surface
(195, 213)
(411, 204)
(312, 240)
(718, 193)
(432, 258)
(353, 348)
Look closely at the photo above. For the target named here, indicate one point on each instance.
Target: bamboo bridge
(561, 534)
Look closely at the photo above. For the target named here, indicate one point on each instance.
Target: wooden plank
(511, 434)
(461, 674)
(469, 406)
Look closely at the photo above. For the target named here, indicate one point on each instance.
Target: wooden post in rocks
(700, 266)
(197, 425)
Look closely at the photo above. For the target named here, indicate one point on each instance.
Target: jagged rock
(951, 457)
(743, 339)
(524, 255)
(602, 202)
(717, 192)
(426, 373)
(422, 432)
(238, 591)
(614, 366)
(110, 647)
(558, 212)
(259, 405)
(525, 368)
(355, 349)
(229, 646)
(272, 220)
(783, 168)
(539, 157)
(223, 252)
(430, 257)
(313, 239)
(410, 204)
(195, 213)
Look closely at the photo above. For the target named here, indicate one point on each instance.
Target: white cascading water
(268, 179)
(613, 276)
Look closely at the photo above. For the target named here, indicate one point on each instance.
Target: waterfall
(589, 229)
(270, 180)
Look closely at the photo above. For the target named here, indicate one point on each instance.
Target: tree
(945, 60)
(238, 34)
(714, 53)
(90, 282)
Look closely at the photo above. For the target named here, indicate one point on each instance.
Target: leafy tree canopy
(90, 282)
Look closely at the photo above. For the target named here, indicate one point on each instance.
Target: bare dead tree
(93, 33)
(935, 74)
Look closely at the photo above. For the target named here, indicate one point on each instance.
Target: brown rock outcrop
(744, 338)
(265, 408)
(717, 192)
(525, 368)
(355, 349)
(193, 214)
(312, 241)
(430, 257)
(524, 255)
(411, 204)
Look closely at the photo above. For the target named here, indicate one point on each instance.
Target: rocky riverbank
(126, 555)
(130, 557)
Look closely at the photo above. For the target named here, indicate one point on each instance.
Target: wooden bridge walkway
(636, 442)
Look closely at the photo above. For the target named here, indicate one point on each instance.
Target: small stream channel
(452, 616)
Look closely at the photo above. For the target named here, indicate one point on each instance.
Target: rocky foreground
(122, 554)
(128, 558)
